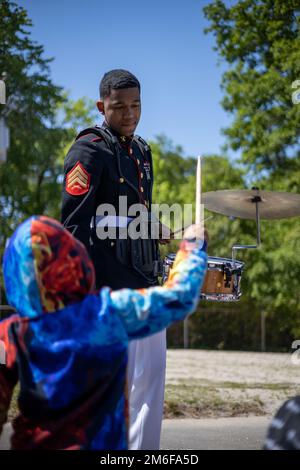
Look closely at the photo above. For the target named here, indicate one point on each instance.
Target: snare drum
(222, 280)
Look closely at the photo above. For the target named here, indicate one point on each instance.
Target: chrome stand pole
(256, 200)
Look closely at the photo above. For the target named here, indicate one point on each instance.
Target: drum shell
(222, 281)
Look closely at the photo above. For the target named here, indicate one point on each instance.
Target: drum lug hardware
(227, 277)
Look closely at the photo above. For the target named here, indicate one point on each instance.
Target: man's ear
(100, 106)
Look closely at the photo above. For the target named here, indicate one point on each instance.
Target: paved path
(200, 434)
(214, 434)
(4, 439)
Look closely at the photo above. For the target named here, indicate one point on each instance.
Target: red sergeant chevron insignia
(78, 180)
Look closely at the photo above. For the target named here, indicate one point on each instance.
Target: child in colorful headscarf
(67, 344)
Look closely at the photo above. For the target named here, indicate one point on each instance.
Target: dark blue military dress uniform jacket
(93, 175)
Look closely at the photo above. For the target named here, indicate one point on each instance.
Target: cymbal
(240, 203)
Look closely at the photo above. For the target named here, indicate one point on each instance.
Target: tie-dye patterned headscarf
(45, 268)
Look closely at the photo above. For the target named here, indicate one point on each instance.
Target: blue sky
(161, 42)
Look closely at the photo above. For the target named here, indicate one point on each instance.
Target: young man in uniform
(103, 164)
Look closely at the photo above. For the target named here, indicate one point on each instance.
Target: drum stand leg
(256, 200)
(186, 333)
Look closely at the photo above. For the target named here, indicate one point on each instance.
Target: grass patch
(251, 386)
(235, 385)
(13, 409)
(189, 401)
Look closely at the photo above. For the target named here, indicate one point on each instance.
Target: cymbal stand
(255, 200)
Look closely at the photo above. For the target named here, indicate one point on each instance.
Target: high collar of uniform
(123, 139)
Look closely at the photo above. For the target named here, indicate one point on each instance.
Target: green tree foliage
(42, 120)
(175, 182)
(28, 179)
(42, 123)
(172, 172)
(73, 116)
(259, 40)
(261, 43)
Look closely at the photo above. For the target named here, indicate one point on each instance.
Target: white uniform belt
(112, 221)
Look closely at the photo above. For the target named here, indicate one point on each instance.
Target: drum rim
(220, 297)
(228, 260)
(240, 264)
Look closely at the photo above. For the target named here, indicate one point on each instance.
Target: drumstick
(183, 228)
(198, 192)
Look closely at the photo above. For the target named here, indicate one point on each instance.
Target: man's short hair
(116, 80)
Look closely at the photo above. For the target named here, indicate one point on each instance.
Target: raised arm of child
(147, 311)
